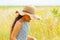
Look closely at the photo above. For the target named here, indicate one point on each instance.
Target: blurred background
(47, 29)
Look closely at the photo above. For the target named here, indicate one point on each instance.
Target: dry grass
(47, 29)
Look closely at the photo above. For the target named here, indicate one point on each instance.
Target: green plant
(55, 12)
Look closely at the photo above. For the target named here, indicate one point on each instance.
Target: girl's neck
(21, 20)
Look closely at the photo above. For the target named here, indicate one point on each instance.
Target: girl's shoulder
(18, 22)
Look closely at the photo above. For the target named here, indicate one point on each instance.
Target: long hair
(16, 19)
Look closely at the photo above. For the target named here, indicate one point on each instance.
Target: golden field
(46, 29)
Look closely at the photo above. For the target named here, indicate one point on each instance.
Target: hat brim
(33, 16)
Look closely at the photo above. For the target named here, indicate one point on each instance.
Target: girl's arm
(15, 31)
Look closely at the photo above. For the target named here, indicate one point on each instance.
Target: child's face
(27, 18)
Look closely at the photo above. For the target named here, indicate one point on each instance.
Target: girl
(20, 27)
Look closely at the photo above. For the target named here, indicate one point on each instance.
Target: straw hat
(30, 11)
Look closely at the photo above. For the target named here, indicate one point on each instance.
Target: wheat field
(47, 29)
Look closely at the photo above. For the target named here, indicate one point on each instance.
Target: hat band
(27, 11)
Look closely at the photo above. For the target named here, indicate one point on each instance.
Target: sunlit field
(46, 29)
